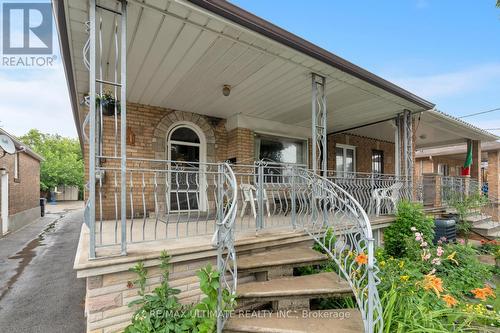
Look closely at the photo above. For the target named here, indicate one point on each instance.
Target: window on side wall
(345, 160)
(16, 167)
(377, 161)
(443, 169)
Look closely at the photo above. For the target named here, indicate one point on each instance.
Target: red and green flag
(468, 161)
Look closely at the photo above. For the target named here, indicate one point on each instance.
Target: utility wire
(478, 113)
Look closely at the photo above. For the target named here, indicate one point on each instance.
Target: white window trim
(441, 167)
(344, 147)
(202, 205)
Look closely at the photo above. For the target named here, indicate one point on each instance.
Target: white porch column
(403, 140)
(403, 148)
(123, 127)
(319, 131)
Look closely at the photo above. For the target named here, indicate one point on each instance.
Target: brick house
(228, 136)
(20, 186)
(448, 162)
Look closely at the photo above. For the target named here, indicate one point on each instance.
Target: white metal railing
(378, 194)
(340, 225)
(172, 200)
(223, 240)
(164, 200)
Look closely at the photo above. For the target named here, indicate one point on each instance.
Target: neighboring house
(447, 163)
(19, 187)
(205, 83)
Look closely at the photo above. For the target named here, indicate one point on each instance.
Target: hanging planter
(108, 104)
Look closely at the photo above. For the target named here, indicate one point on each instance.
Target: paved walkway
(39, 291)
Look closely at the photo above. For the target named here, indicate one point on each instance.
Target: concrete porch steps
(324, 321)
(478, 218)
(288, 257)
(306, 287)
(487, 228)
(275, 287)
(435, 210)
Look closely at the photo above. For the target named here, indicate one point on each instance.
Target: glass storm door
(184, 153)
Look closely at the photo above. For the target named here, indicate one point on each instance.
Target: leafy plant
(108, 103)
(161, 310)
(408, 215)
(491, 247)
(430, 289)
(420, 311)
(465, 205)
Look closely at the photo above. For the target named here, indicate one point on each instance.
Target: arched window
(184, 145)
(184, 134)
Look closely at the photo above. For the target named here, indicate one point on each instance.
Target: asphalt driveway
(39, 291)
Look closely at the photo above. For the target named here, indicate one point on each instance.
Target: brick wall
(494, 183)
(428, 165)
(364, 147)
(24, 193)
(147, 131)
(241, 145)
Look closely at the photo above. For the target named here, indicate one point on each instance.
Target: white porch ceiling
(434, 129)
(180, 59)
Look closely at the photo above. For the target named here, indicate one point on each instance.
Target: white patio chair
(391, 194)
(249, 198)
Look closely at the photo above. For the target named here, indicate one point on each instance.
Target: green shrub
(409, 215)
(464, 275)
(465, 207)
(414, 311)
(431, 289)
(161, 310)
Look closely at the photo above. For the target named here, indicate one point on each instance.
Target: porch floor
(180, 239)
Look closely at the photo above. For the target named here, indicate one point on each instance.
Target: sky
(445, 51)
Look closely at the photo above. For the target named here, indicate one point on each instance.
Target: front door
(4, 202)
(186, 180)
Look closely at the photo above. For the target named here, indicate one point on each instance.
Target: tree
(63, 161)
(498, 3)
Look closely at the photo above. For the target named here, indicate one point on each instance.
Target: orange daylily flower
(362, 259)
(449, 300)
(431, 282)
(483, 293)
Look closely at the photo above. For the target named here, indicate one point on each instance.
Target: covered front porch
(205, 127)
(203, 86)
